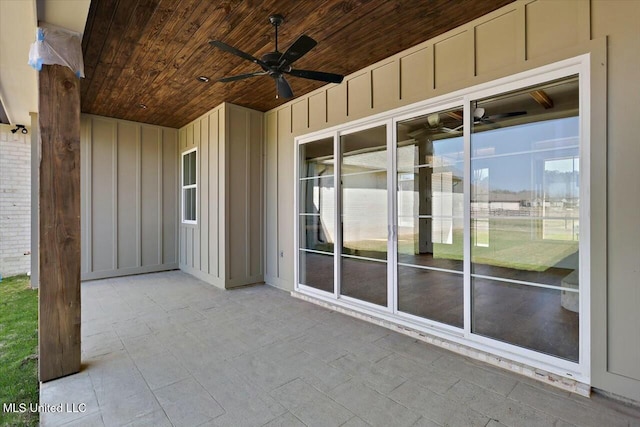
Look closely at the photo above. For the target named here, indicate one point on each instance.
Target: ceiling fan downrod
(276, 20)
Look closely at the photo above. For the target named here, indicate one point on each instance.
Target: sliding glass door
(316, 215)
(525, 202)
(364, 215)
(430, 207)
(465, 219)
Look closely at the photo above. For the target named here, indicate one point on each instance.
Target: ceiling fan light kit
(276, 64)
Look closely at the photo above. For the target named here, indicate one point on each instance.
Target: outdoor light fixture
(433, 120)
(203, 79)
(20, 128)
(142, 106)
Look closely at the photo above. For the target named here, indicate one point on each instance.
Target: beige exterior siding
(493, 51)
(618, 21)
(128, 201)
(225, 246)
(385, 84)
(416, 74)
(452, 60)
(271, 246)
(521, 36)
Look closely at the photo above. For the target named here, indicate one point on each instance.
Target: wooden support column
(59, 297)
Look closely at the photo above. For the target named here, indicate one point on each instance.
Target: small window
(189, 186)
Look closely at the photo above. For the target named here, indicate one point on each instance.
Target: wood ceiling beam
(457, 115)
(542, 98)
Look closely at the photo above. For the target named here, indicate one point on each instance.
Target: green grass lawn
(510, 243)
(18, 349)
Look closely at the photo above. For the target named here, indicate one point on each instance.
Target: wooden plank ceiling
(151, 51)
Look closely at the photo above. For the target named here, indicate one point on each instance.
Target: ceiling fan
(435, 124)
(276, 64)
(480, 118)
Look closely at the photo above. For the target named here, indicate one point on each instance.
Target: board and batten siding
(518, 37)
(225, 246)
(129, 197)
(515, 38)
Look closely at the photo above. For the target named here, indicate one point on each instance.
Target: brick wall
(15, 202)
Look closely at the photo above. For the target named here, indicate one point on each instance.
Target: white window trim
(579, 65)
(185, 187)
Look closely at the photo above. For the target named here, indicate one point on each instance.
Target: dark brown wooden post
(59, 298)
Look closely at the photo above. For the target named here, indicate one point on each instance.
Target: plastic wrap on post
(56, 45)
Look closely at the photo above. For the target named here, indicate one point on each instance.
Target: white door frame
(580, 65)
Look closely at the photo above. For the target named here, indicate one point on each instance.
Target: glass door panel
(470, 229)
(524, 218)
(317, 212)
(364, 216)
(430, 209)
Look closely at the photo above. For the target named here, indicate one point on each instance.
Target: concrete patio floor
(167, 349)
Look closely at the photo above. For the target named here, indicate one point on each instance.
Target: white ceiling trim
(18, 22)
(18, 81)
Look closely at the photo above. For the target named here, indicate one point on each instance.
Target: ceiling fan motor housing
(272, 59)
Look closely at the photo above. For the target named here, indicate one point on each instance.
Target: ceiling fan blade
(505, 115)
(237, 52)
(450, 130)
(242, 76)
(297, 50)
(418, 133)
(317, 75)
(282, 88)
